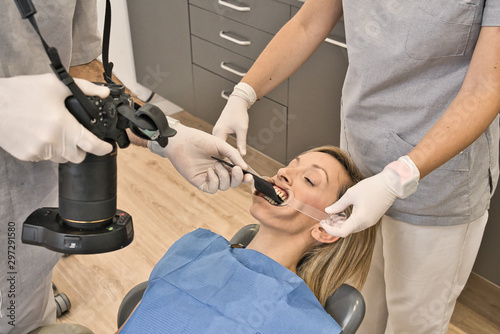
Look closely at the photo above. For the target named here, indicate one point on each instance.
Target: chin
(269, 214)
(257, 211)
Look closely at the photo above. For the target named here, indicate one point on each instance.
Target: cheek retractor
(307, 209)
(261, 185)
(311, 211)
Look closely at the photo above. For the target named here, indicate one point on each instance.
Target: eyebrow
(318, 167)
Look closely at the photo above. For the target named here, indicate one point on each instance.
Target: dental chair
(346, 305)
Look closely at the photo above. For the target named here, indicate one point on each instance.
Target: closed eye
(309, 181)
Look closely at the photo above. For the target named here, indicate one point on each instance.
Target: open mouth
(282, 194)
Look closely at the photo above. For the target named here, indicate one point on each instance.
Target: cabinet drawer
(162, 48)
(229, 34)
(229, 65)
(315, 99)
(267, 128)
(267, 15)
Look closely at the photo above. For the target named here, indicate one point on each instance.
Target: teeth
(270, 200)
(281, 194)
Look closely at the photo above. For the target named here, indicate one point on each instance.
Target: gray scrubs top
(71, 27)
(408, 60)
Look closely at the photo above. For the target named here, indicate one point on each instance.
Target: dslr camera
(87, 220)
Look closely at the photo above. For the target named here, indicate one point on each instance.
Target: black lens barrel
(87, 191)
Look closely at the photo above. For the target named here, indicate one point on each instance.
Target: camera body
(104, 120)
(87, 220)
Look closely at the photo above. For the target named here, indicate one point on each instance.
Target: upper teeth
(281, 194)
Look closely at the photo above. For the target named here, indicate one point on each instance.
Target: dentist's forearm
(471, 112)
(293, 45)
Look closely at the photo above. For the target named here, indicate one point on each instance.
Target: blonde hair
(327, 266)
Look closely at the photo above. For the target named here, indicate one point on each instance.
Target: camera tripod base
(45, 228)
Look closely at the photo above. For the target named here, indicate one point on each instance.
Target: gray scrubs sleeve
(491, 13)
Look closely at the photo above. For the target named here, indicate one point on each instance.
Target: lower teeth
(270, 200)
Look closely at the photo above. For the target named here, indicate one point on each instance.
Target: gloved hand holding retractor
(234, 117)
(373, 196)
(35, 124)
(190, 150)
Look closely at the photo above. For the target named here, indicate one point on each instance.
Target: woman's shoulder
(199, 239)
(187, 248)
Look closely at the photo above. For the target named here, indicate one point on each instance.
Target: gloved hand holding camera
(35, 124)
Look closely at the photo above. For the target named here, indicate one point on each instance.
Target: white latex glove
(35, 124)
(190, 150)
(372, 197)
(234, 117)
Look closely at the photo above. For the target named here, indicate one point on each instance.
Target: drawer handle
(232, 70)
(234, 39)
(233, 6)
(224, 95)
(334, 42)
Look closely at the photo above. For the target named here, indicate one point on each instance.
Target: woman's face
(314, 178)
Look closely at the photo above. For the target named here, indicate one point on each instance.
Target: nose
(285, 175)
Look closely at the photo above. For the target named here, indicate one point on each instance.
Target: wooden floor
(164, 207)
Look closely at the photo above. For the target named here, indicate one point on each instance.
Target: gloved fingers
(59, 152)
(341, 205)
(241, 143)
(223, 175)
(71, 154)
(340, 229)
(247, 178)
(60, 157)
(236, 176)
(230, 152)
(89, 142)
(61, 160)
(211, 185)
(220, 132)
(90, 89)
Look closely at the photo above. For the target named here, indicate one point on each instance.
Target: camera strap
(108, 67)
(27, 12)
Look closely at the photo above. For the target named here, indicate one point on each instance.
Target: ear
(322, 236)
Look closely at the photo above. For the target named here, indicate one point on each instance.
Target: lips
(282, 193)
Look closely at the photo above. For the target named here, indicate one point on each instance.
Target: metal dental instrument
(260, 184)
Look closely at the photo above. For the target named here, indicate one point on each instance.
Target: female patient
(280, 282)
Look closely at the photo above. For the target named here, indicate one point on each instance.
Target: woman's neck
(283, 248)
